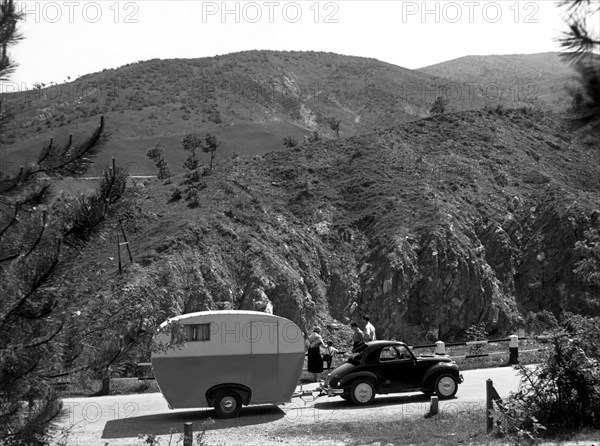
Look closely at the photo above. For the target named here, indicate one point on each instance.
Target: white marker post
(440, 348)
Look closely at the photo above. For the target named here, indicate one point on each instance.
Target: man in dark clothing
(358, 339)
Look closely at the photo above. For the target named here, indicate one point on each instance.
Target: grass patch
(443, 429)
(466, 427)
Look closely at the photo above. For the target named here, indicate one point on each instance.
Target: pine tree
(211, 144)
(191, 142)
(157, 155)
(9, 18)
(581, 46)
(33, 226)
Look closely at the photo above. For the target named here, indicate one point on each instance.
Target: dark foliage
(157, 155)
(334, 124)
(439, 105)
(191, 142)
(563, 393)
(290, 142)
(33, 226)
(9, 18)
(211, 144)
(89, 211)
(581, 44)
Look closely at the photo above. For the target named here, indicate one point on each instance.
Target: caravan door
(264, 354)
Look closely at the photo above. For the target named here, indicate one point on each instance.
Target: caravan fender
(244, 392)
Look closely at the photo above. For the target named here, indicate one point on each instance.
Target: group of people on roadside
(319, 351)
(360, 337)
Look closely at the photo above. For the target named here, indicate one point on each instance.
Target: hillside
(429, 227)
(537, 79)
(251, 100)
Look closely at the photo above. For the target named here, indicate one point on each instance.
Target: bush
(439, 105)
(289, 142)
(476, 333)
(193, 198)
(176, 195)
(563, 393)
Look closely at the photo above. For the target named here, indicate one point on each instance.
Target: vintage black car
(384, 367)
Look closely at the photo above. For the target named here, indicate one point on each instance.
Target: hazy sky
(72, 38)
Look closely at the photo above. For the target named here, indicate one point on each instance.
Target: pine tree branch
(42, 340)
(74, 159)
(34, 286)
(12, 221)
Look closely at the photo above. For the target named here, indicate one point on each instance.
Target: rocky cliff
(428, 227)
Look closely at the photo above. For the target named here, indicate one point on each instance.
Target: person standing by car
(358, 338)
(315, 360)
(369, 330)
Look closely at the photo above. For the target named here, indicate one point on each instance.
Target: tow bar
(308, 395)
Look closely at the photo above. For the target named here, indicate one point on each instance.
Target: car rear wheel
(446, 386)
(228, 404)
(362, 393)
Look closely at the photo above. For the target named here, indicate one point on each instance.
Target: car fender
(348, 379)
(438, 369)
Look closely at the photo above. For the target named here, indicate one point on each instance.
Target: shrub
(289, 142)
(563, 393)
(193, 198)
(157, 155)
(176, 195)
(439, 105)
(476, 333)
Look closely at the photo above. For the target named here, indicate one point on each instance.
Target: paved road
(117, 420)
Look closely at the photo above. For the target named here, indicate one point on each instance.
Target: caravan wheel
(228, 404)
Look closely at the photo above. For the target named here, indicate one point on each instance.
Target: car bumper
(460, 378)
(332, 391)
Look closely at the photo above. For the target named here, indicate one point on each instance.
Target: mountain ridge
(293, 93)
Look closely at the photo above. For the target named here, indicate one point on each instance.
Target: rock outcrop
(429, 228)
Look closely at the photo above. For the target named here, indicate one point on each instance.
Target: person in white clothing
(369, 330)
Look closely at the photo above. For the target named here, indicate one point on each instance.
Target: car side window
(388, 354)
(403, 352)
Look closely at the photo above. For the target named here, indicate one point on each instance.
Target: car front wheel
(446, 386)
(362, 393)
(228, 404)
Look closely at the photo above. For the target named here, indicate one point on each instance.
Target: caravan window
(191, 333)
(198, 332)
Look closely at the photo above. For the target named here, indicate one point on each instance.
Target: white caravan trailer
(228, 358)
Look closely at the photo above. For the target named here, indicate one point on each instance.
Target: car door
(397, 369)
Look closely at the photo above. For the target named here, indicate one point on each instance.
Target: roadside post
(489, 404)
(513, 348)
(440, 348)
(491, 395)
(188, 434)
(433, 408)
